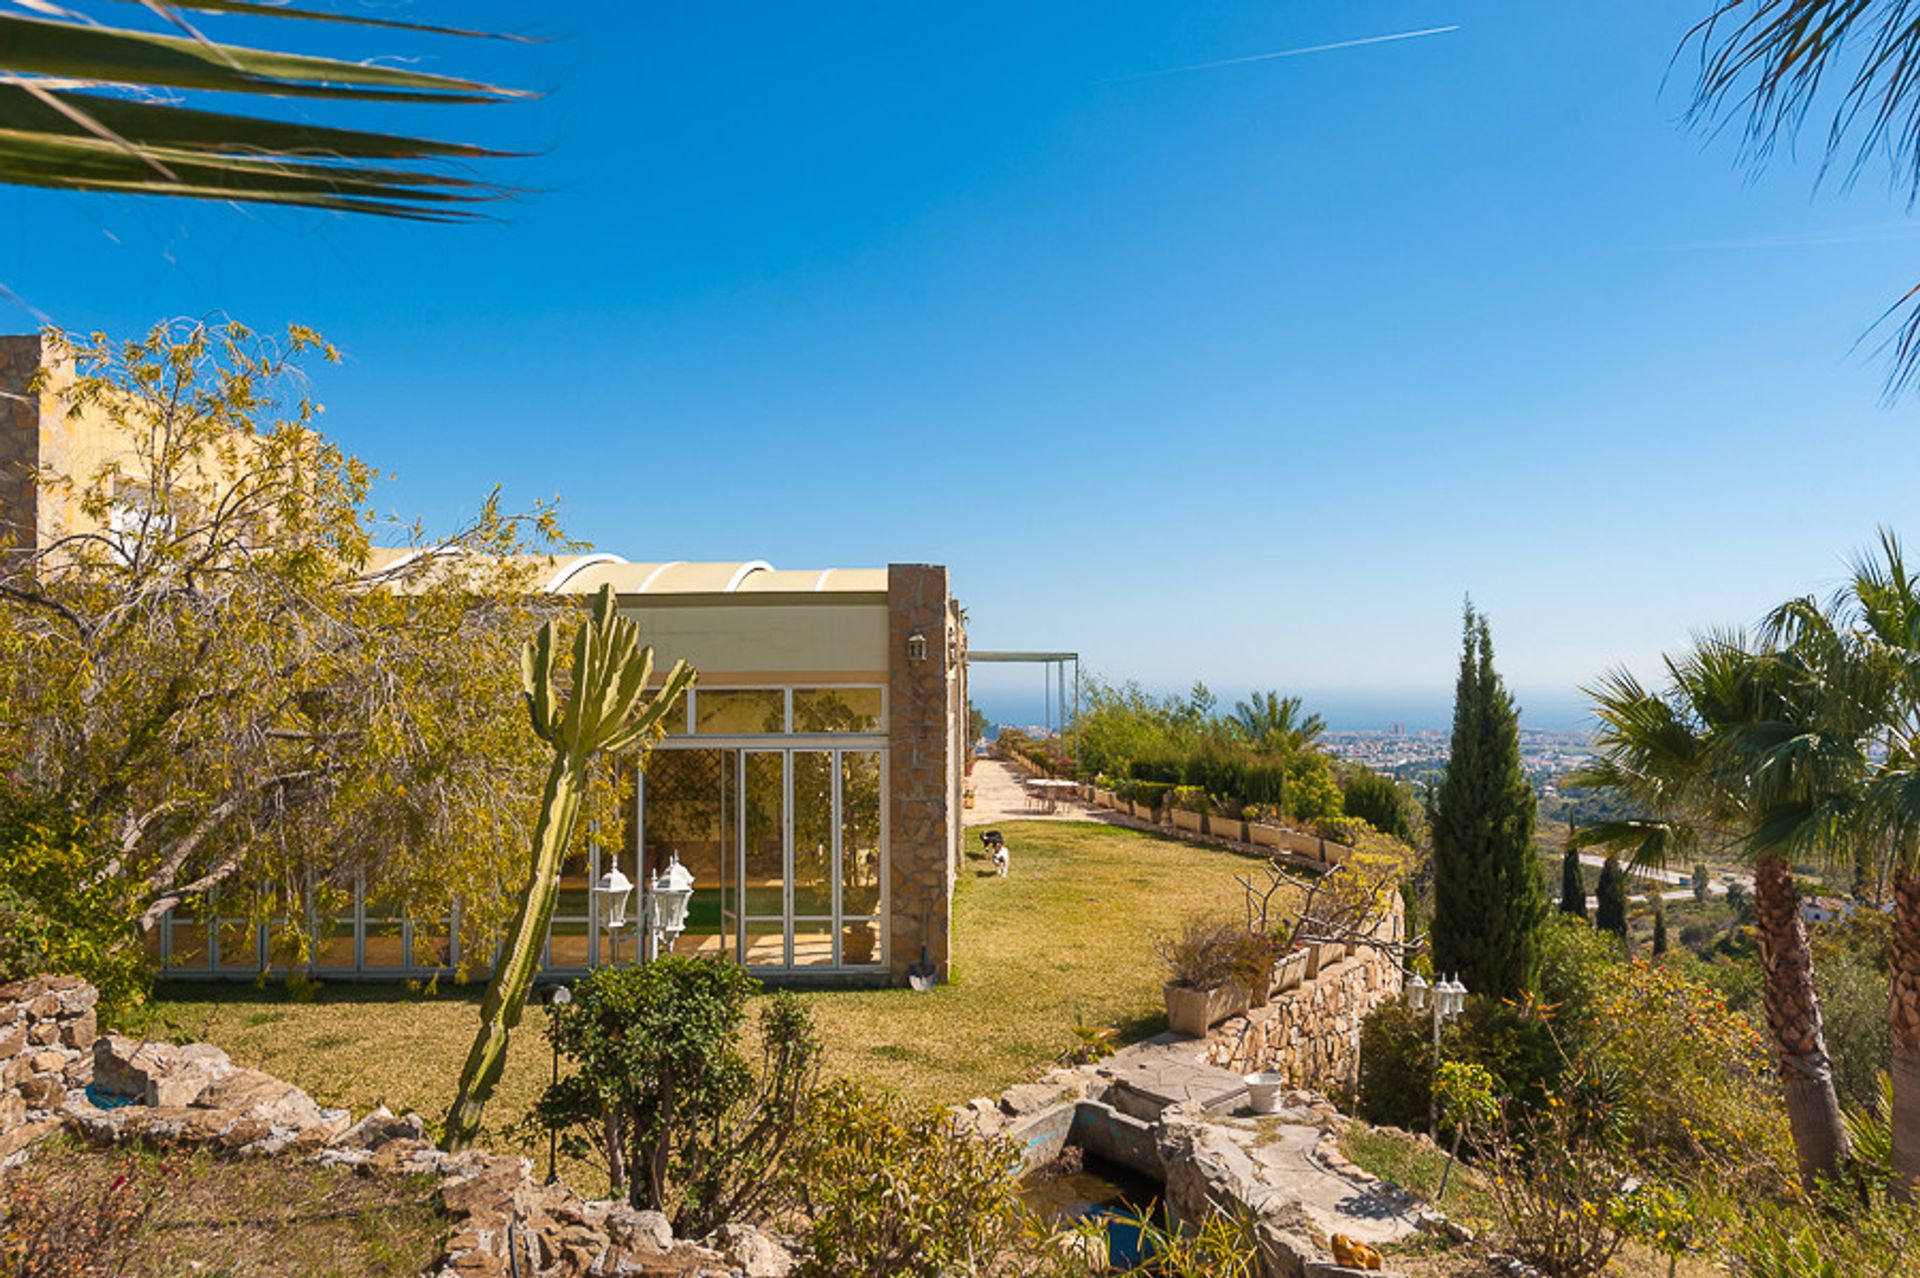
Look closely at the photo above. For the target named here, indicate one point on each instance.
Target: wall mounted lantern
(613, 889)
(672, 891)
(916, 647)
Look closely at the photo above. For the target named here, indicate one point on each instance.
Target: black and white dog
(993, 843)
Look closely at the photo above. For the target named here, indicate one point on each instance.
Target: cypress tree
(1611, 911)
(1488, 890)
(1659, 926)
(1573, 883)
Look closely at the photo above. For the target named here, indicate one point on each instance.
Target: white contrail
(1295, 53)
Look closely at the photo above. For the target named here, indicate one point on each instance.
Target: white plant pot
(1263, 1091)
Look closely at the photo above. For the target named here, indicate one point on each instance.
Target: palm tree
(1763, 66)
(1687, 757)
(1878, 616)
(89, 103)
(1269, 719)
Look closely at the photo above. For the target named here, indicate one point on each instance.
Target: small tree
(1702, 888)
(1610, 914)
(1573, 882)
(212, 677)
(1488, 897)
(665, 1096)
(1659, 926)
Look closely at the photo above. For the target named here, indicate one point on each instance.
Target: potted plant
(1293, 967)
(1215, 967)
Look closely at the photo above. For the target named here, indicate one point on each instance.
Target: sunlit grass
(1068, 934)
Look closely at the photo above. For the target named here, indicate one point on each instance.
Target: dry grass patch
(192, 1215)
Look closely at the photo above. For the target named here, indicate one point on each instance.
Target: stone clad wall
(1310, 1033)
(47, 1028)
(923, 800)
(19, 440)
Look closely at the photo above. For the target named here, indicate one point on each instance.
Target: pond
(1088, 1188)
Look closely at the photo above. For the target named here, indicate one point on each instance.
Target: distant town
(1421, 756)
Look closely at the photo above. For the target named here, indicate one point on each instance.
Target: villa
(811, 781)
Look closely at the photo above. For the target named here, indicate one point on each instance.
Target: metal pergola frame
(1053, 682)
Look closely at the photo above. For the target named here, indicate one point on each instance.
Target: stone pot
(1265, 1089)
(1293, 969)
(1193, 1012)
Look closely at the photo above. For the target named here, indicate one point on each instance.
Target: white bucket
(1263, 1090)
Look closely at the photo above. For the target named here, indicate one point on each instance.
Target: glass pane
(690, 812)
(860, 944)
(385, 946)
(766, 944)
(729, 710)
(189, 945)
(710, 945)
(432, 944)
(836, 710)
(813, 833)
(283, 947)
(860, 832)
(567, 943)
(761, 886)
(334, 946)
(571, 901)
(675, 722)
(150, 943)
(813, 945)
(239, 946)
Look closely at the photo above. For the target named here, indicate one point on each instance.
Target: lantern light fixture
(613, 889)
(1417, 993)
(672, 892)
(916, 647)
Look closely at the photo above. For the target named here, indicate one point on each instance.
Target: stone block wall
(1310, 1033)
(924, 791)
(19, 440)
(47, 1028)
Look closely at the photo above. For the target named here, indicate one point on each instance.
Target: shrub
(1190, 798)
(1380, 802)
(664, 1095)
(1396, 1065)
(1207, 954)
(57, 914)
(887, 1187)
(1831, 1236)
(1557, 1185)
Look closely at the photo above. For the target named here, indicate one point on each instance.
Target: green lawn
(1069, 933)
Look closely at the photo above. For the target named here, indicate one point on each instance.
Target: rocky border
(57, 1072)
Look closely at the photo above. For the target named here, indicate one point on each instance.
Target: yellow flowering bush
(1699, 1077)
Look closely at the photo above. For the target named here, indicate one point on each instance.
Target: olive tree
(212, 671)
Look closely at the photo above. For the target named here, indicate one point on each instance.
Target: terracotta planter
(1292, 970)
(1229, 828)
(1193, 1012)
(1185, 820)
(1266, 836)
(1103, 797)
(1331, 952)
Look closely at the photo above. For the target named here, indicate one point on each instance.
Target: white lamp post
(1449, 1000)
(672, 891)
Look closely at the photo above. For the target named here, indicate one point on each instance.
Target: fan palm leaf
(1766, 65)
(82, 108)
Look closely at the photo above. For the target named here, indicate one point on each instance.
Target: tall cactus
(608, 709)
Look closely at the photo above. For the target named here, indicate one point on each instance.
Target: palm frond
(1766, 65)
(121, 134)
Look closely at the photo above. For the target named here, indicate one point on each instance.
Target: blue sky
(1246, 374)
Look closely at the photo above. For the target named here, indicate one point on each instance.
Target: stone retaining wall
(1310, 1033)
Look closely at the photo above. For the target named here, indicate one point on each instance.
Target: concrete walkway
(998, 796)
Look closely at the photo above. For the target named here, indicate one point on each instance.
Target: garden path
(999, 796)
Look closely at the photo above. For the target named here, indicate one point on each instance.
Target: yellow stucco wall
(733, 640)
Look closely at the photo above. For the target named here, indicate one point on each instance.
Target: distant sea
(1366, 711)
